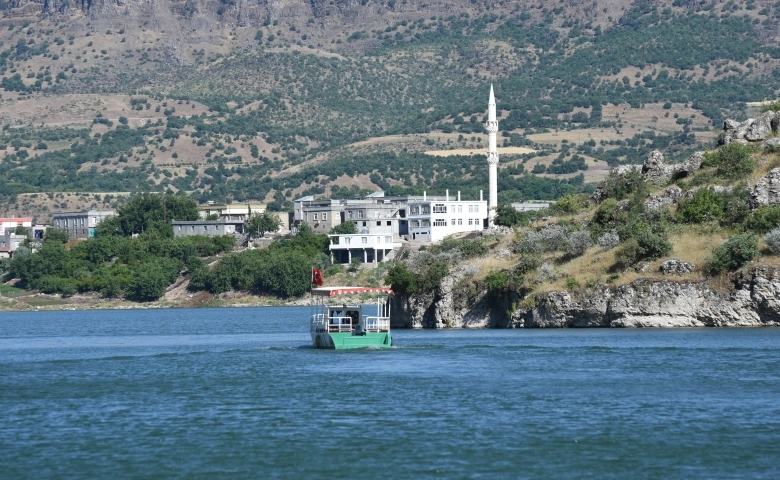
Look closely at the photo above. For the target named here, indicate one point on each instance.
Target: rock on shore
(753, 301)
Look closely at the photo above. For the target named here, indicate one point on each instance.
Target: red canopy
(333, 291)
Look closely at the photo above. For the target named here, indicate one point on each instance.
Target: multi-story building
(433, 218)
(324, 214)
(80, 225)
(8, 225)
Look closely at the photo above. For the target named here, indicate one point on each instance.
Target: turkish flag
(316, 276)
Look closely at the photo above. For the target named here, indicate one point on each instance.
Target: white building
(376, 247)
(433, 218)
(80, 225)
(8, 225)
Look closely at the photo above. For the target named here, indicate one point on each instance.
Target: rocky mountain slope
(234, 100)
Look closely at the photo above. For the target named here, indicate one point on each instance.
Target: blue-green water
(239, 393)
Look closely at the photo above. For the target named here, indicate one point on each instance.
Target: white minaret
(492, 158)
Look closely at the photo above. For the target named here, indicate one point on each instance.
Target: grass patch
(12, 292)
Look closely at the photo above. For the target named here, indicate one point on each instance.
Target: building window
(379, 223)
(389, 223)
(315, 217)
(414, 223)
(460, 221)
(206, 228)
(347, 240)
(440, 222)
(349, 213)
(364, 224)
(415, 210)
(378, 239)
(470, 222)
(324, 216)
(360, 213)
(460, 208)
(425, 223)
(363, 239)
(426, 209)
(452, 222)
(439, 208)
(388, 239)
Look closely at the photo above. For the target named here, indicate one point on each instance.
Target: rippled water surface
(213, 393)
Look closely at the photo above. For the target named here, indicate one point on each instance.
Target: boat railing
(377, 324)
(318, 323)
(340, 324)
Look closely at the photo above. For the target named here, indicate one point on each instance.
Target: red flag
(316, 276)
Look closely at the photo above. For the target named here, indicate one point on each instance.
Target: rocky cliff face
(753, 301)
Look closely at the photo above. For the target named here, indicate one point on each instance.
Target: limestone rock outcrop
(754, 301)
(671, 196)
(767, 190)
(674, 266)
(654, 170)
(757, 129)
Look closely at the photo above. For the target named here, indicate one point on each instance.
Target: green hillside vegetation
(579, 245)
(284, 114)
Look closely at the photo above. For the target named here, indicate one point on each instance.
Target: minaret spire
(492, 158)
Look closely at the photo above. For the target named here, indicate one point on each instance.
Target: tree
(55, 235)
(346, 228)
(264, 222)
(508, 216)
(20, 230)
(149, 210)
(150, 279)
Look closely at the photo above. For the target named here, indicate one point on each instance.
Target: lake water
(213, 393)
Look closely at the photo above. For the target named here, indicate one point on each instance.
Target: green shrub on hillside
(621, 186)
(497, 282)
(763, 219)
(569, 205)
(705, 205)
(647, 245)
(732, 161)
(733, 254)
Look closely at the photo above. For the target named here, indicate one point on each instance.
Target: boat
(340, 326)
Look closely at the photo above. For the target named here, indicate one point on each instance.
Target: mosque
(384, 223)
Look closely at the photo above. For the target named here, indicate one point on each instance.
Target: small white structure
(80, 225)
(530, 206)
(433, 218)
(236, 211)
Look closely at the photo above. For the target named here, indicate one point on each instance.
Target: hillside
(235, 101)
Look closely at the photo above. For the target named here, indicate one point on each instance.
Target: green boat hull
(345, 340)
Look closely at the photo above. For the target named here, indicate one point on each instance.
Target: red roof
(17, 220)
(333, 291)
